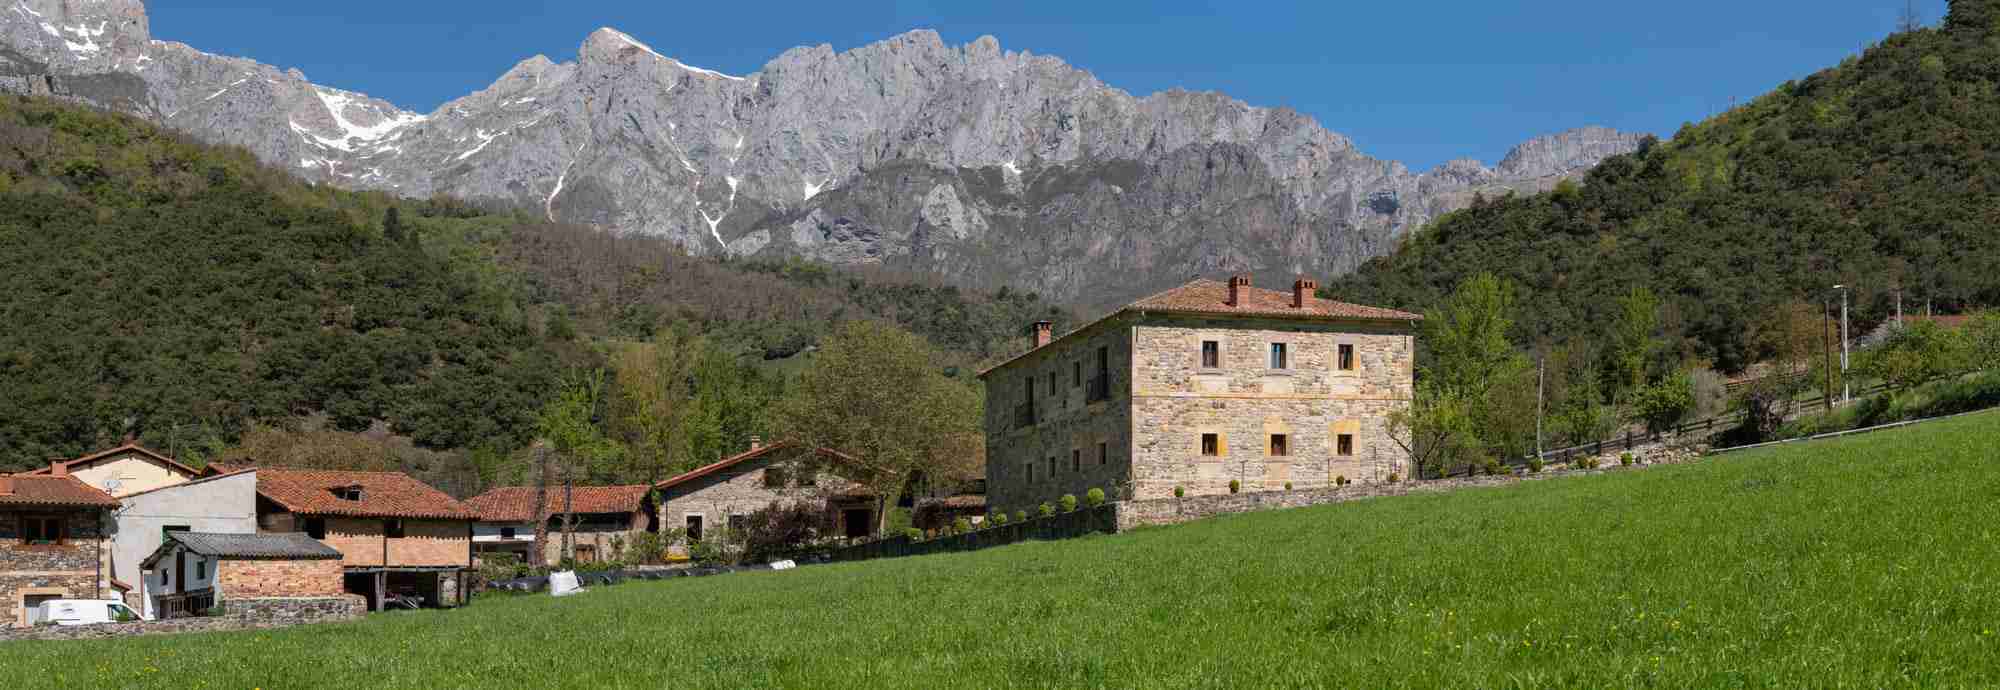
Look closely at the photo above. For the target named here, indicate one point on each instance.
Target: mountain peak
(607, 44)
(1567, 151)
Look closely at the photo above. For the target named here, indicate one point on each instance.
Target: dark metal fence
(1077, 523)
(1704, 427)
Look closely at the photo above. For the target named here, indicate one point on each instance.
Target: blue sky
(1420, 82)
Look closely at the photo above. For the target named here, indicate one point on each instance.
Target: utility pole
(1826, 345)
(1846, 389)
(1899, 306)
(1541, 374)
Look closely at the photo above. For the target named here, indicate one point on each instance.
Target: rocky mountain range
(985, 166)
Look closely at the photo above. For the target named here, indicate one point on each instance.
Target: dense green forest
(183, 294)
(1882, 174)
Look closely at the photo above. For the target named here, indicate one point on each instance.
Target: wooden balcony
(184, 604)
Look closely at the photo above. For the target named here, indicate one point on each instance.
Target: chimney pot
(756, 442)
(1237, 284)
(1043, 333)
(6, 484)
(1302, 290)
(58, 467)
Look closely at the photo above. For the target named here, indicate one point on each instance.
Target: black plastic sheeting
(612, 577)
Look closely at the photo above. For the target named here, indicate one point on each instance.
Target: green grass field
(1865, 562)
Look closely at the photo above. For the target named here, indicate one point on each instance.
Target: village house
(51, 542)
(606, 520)
(290, 575)
(1198, 386)
(398, 538)
(127, 469)
(723, 494)
(215, 504)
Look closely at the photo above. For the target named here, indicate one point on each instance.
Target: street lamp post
(1846, 389)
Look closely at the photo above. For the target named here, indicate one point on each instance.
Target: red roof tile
(383, 494)
(1203, 296)
(517, 503)
(43, 491)
(86, 460)
(733, 460)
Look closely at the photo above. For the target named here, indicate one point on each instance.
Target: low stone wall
(239, 614)
(1169, 511)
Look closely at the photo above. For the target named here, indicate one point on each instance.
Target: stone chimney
(57, 468)
(1302, 290)
(756, 443)
(1043, 333)
(1237, 286)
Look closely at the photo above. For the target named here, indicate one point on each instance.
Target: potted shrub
(1235, 486)
(1180, 492)
(1068, 502)
(1094, 497)
(1047, 510)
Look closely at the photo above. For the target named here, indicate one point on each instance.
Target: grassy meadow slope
(1863, 562)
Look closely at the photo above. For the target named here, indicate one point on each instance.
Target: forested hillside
(1882, 173)
(182, 294)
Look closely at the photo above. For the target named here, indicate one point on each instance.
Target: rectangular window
(1076, 459)
(42, 530)
(316, 527)
(1278, 442)
(1052, 467)
(201, 570)
(506, 533)
(1076, 374)
(1103, 453)
(693, 528)
(1211, 444)
(1053, 390)
(1344, 445)
(1211, 354)
(392, 529)
(1031, 472)
(1278, 356)
(1346, 357)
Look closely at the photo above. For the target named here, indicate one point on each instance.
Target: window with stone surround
(1103, 454)
(1211, 354)
(1211, 445)
(1076, 459)
(1030, 472)
(1346, 357)
(42, 530)
(1279, 443)
(1278, 358)
(1343, 445)
(1052, 467)
(1076, 374)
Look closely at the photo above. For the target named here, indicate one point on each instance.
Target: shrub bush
(912, 533)
(1179, 492)
(1094, 497)
(1393, 478)
(1625, 459)
(1340, 480)
(783, 530)
(1235, 486)
(999, 519)
(1535, 464)
(1288, 486)
(961, 525)
(1020, 516)
(1068, 502)
(1047, 510)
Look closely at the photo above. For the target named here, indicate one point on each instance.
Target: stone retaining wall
(1169, 511)
(239, 614)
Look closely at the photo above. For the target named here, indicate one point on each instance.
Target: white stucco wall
(132, 472)
(226, 505)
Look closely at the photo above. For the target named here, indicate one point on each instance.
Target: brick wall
(242, 579)
(424, 542)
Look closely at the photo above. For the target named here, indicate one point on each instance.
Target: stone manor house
(1197, 386)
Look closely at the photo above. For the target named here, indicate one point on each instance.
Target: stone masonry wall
(243, 614)
(249, 579)
(1060, 452)
(1244, 402)
(1168, 511)
(737, 490)
(70, 569)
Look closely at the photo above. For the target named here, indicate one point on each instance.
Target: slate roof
(517, 503)
(127, 448)
(383, 494)
(45, 491)
(1204, 296)
(284, 546)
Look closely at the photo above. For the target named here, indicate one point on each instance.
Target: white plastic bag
(563, 583)
(786, 564)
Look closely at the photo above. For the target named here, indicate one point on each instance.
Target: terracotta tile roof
(1203, 296)
(1212, 297)
(733, 460)
(27, 490)
(129, 447)
(517, 503)
(383, 494)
